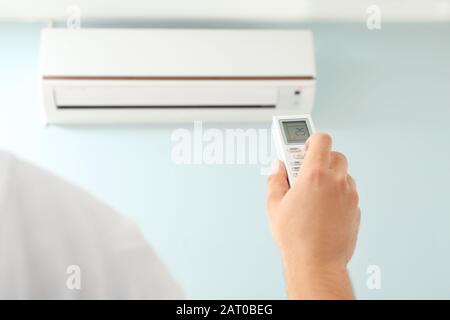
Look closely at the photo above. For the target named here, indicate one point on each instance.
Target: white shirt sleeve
(55, 238)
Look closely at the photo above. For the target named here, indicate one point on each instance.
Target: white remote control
(290, 134)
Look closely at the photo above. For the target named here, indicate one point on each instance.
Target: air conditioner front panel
(176, 52)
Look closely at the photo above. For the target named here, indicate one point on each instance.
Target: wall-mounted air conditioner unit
(172, 75)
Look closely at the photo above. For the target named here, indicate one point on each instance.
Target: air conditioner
(173, 75)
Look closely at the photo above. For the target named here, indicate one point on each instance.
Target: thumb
(277, 185)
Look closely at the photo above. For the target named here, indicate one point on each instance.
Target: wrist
(308, 279)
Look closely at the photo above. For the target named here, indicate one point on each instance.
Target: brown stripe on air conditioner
(53, 77)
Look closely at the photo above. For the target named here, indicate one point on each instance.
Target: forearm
(315, 283)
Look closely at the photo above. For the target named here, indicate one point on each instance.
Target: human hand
(315, 222)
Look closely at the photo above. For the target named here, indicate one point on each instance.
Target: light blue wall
(383, 95)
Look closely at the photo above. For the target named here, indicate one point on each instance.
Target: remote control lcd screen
(295, 131)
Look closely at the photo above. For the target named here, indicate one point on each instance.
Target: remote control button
(296, 163)
(294, 149)
(295, 168)
(297, 155)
